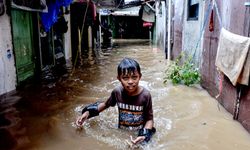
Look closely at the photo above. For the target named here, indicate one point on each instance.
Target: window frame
(194, 15)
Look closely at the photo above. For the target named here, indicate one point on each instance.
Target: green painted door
(23, 44)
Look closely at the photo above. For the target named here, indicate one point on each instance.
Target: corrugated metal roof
(132, 11)
(117, 4)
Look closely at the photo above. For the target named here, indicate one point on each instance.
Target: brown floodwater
(185, 117)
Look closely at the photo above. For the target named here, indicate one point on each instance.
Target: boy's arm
(145, 133)
(90, 111)
(149, 124)
(101, 107)
(148, 129)
(94, 109)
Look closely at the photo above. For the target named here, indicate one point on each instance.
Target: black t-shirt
(134, 111)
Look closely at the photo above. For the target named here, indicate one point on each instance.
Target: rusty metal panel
(237, 17)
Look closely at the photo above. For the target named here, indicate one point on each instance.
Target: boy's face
(130, 81)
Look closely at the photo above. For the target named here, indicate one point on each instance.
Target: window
(193, 10)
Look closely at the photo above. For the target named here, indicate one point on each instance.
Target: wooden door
(23, 44)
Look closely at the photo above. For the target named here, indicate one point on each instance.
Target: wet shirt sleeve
(111, 100)
(148, 111)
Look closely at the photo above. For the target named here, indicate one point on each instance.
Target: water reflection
(185, 117)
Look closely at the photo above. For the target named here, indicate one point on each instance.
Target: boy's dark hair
(127, 66)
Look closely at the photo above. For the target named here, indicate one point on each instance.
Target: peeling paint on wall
(7, 65)
(192, 31)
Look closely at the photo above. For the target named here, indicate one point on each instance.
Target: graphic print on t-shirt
(130, 116)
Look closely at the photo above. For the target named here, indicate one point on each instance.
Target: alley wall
(7, 64)
(161, 24)
(188, 31)
(192, 30)
(233, 16)
(178, 16)
(194, 36)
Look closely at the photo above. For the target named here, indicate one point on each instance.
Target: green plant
(186, 73)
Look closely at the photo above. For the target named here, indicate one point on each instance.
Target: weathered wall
(161, 24)
(178, 16)
(192, 32)
(7, 65)
(233, 16)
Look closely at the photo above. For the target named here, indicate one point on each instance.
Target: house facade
(33, 40)
(25, 49)
(197, 27)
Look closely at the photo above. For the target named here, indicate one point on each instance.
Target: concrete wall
(233, 16)
(7, 64)
(192, 31)
(178, 18)
(161, 23)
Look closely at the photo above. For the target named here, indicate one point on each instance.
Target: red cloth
(211, 23)
(221, 79)
(147, 24)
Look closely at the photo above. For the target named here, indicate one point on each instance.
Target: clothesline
(212, 4)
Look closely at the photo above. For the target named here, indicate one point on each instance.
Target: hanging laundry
(147, 24)
(244, 76)
(221, 79)
(49, 18)
(148, 13)
(211, 22)
(233, 57)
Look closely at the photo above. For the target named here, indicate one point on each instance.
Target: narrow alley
(185, 117)
(59, 57)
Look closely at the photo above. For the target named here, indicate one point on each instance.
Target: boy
(133, 101)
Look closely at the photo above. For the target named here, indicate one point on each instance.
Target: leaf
(186, 74)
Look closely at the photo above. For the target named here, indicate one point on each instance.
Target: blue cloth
(48, 19)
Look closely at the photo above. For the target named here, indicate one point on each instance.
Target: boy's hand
(80, 120)
(139, 139)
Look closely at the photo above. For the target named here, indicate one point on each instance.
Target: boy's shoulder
(145, 91)
(118, 88)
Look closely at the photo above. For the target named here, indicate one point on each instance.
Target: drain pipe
(169, 29)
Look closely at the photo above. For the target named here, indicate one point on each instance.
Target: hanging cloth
(148, 14)
(233, 57)
(221, 79)
(147, 24)
(211, 22)
(48, 19)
